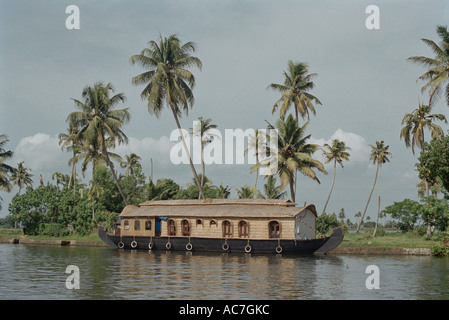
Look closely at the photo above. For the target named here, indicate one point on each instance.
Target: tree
(295, 89)
(337, 153)
(100, 124)
(379, 155)
(21, 177)
(437, 74)
(256, 142)
(415, 124)
(132, 161)
(5, 169)
(202, 128)
(294, 154)
(246, 192)
(71, 142)
(271, 190)
(434, 161)
(168, 78)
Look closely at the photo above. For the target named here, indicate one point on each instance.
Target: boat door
(157, 227)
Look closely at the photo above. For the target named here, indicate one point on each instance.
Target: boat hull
(320, 245)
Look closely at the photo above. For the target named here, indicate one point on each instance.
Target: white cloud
(360, 149)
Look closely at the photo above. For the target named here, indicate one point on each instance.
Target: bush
(47, 229)
(326, 222)
(440, 250)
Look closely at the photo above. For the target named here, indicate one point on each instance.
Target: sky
(364, 81)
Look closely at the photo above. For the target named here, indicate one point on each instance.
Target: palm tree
(295, 89)
(337, 153)
(416, 122)
(379, 155)
(132, 161)
(256, 142)
(246, 192)
(294, 154)
(100, 124)
(167, 78)
(438, 74)
(5, 169)
(271, 190)
(71, 142)
(202, 131)
(21, 177)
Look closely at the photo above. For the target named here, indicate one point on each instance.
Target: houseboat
(221, 225)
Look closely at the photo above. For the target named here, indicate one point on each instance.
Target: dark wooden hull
(320, 245)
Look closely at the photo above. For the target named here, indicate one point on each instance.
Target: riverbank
(389, 244)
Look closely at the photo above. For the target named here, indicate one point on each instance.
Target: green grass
(386, 240)
(17, 233)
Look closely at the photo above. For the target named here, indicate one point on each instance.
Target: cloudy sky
(364, 81)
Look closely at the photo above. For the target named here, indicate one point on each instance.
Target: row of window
(227, 228)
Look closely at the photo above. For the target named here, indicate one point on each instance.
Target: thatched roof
(218, 208)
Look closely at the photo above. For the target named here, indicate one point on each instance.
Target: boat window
(137, 225)
(148, 225)
(273, 230)
(243, 229)
(126, 223)
(171, 228)
(227, 229)
(213, 223)
(185, 228)
(198, 221)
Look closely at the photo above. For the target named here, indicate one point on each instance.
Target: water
(38, 272)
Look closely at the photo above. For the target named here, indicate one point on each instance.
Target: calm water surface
(38, 272)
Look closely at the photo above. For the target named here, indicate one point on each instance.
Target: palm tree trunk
(332, 186)
(202, 167)
(378, 214)
(195, 175)
(257, 171)
(292, 190)
(111, 165)
(369, 198)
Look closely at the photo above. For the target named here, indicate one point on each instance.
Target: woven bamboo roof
(218, 208)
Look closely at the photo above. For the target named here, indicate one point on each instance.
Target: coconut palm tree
(168, 79)
(201, 129)
(132, 161)
(379, 155)
(256, 142)
(71, 142)
(295, 89)
(294, 154)
(21, 177)
(337, 153)
(271, 190)
(5, 169)
(415, 124)
(100, 124)
(246, 192)
(438, 74)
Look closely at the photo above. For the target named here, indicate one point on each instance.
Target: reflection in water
(38, 272)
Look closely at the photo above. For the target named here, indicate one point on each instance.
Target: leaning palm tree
(295, 89)
(168, 79)
(293, 154)
(415, 124)
(100, 124)
(201, 129)
(21, 177)
(438, 74)
(337, 153)
(379, 155)
(5, 169)
(256, 142)
(131, 161)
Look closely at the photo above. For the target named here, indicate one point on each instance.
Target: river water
(39, 272)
